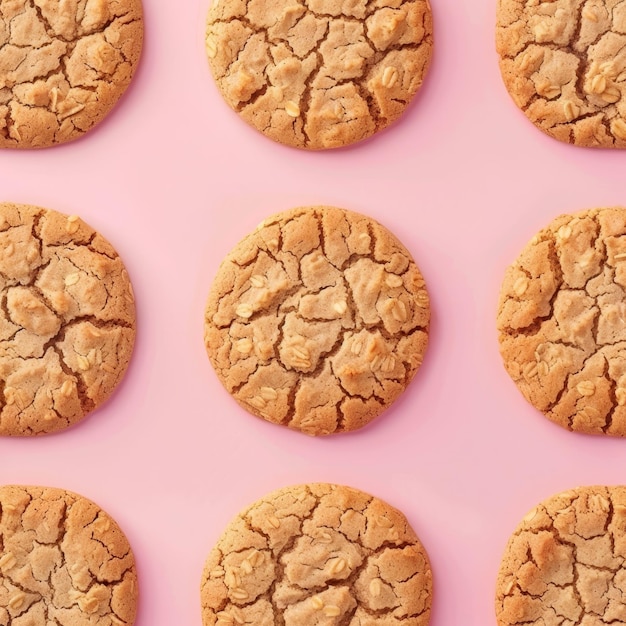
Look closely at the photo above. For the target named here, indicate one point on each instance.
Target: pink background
(174, 179)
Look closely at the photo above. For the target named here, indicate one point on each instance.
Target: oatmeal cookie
(318, 320)
(67, 320)
(317, 554)
(562, 323)
(566, 562)
(63, 561)
(319, 74)
(63, 66)
(564, 64)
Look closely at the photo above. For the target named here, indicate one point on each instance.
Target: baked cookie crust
(319, 74)
(561, 320)
(318, 320)
(565, 563)
(67, 320)
(63, 561)
(63, 66)
(317, 554)
(564, 64)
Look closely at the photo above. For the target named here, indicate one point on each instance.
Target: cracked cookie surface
(63, 560)
(318, 320)
(67, 320)
(564, 64)
(565, 563)
(63, 66)
(319, 74)
(562, 321)
(317, 554)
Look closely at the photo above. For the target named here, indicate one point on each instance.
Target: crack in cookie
(564, 64)
(319, 74)
(317, 554)
(562, 321)
(67, 320)
(565, 563)
(63, 560)
(318, 320)
(63, 66)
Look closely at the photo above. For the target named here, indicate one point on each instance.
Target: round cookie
(562, 322)
(67, 320)
(323, 73)
(318, 320)
(317, 554)
(63, 66)
(63, 561)
(566, 561)
(564, 64)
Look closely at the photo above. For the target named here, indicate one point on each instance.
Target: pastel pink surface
(174, 179)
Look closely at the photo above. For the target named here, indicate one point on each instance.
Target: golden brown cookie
(564, 64)
(318, 320)
(63, 65)
(566, 562)
(562, 323)
(63, 560)
(67, 320)
(317, 554)
(319, 74)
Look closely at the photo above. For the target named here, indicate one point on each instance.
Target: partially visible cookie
(63, 65)
(67, 320)
(318, 320)
(566, 561)
(562, 321)
(319, 74)
(317, 554)
(564, 64)
(63, 560)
